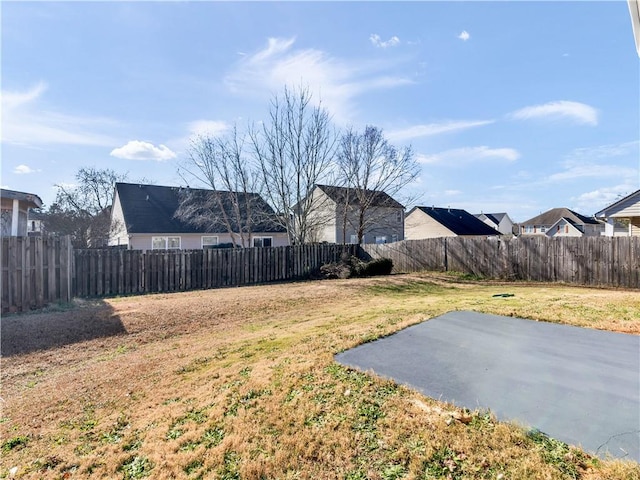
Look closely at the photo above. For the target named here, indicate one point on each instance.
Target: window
(381, 239)
(543, 229)
(262, 241)
(165, 243)
(394, 238)
(353, 239)
(209, 241)
(398, 216)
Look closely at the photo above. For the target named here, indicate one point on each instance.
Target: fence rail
(597, 261)
(36, 271)
(108, 272)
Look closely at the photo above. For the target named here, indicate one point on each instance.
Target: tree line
(281, 159)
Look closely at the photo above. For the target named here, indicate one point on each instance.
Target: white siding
(419, 225)
(118, 234)
(629, 207)
(193, 241)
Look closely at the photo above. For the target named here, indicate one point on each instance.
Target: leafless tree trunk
(295, 150)
(222, 165)
(370, 165)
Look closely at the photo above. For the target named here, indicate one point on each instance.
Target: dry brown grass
(241, 383)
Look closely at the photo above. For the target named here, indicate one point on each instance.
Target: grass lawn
(240, 383)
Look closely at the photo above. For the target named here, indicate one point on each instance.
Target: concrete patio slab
(578, 385)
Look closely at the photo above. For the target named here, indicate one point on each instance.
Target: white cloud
(434, 129)
(334, 81)
(24, 170)
(138, 150)
(600, 152)
(208, 127)
(377, 41)
(464, 36)
(25, 122)
(578, 112)
(598, 199)
(452, 192)
(466, 155)
(577, 169)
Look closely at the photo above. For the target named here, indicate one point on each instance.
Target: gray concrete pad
(578, 385)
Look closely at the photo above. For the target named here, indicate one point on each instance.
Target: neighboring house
(35, 223)
(434, 222)
(383, 219)
(623, 216)
(143, 217)
(498, 221)
(561, 222)
(15, 212)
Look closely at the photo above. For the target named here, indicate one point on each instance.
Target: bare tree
(82, 209)
(233, 204)
(373, 171)
(295, 150)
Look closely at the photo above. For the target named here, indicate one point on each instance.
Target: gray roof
(458, 221)
(343, 195)
(494, 217)
(151, 209)
(32, 199)
(550, 217)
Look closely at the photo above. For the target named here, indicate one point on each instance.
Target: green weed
(135, 467)
(15, 443)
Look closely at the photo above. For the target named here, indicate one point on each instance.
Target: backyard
(241, 383)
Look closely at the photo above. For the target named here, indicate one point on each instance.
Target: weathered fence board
(598, 261)
(36, 271)
(108, 272)
(40, 270)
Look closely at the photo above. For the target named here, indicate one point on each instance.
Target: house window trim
(262, 238)
(203, 245)
(383, 239)
(166, 242)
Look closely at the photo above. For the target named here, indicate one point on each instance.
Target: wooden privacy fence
(107, 272)
(598, 261)
(36, 271)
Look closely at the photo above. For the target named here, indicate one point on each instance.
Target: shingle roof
(151, 209)
(458, 221)
(33, 200)
(552, 216)
(341, 194)
(494, 217)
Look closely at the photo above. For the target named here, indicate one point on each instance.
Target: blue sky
(509, 106)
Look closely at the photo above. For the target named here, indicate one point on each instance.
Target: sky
(513, 107)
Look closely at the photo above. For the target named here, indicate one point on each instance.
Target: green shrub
(380, 266)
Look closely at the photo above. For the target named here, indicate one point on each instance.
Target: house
(498, 221)
(624, 212)
(561, 222)
(143, 217)
(336, 215)
(434, 222)
(15, 211)
(35, 223)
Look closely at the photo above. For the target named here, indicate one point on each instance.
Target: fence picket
(37, 270)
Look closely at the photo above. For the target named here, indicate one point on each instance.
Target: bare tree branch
(370, 165)
(222, 165)
(295, 150)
